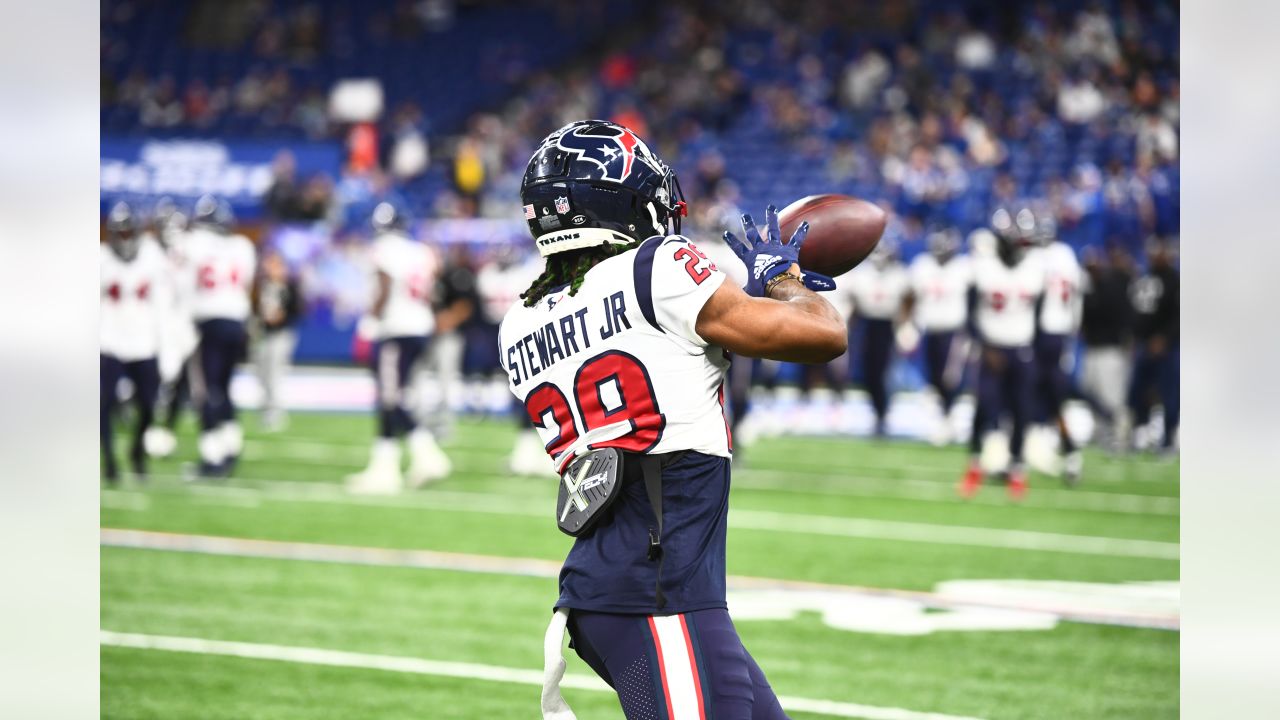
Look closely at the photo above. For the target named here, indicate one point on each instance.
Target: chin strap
(554, 706)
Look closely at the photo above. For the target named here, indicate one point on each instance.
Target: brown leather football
(843, 230)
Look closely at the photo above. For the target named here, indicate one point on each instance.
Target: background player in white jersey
(1004, 305)
(1059, 322)
(878, 289)
(178, 338)
(939, 303)
(622, 343)
(399, 323)
(219, 274)
(134, 287)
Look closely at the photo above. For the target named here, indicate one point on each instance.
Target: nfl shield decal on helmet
(562, 205)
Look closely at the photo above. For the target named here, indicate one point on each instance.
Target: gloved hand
(768, 258)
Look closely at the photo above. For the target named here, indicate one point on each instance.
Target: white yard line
(347, 453)
(550, 569)
(755, 520)
(462, 670)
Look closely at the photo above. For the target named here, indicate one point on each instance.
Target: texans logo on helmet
(615, 158)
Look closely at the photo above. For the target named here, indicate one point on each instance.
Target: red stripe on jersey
(724, 414)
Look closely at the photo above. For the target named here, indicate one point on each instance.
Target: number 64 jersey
(619, 364)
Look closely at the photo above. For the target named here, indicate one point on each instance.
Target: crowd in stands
(942, 110)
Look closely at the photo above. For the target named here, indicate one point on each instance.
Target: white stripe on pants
(678, 673)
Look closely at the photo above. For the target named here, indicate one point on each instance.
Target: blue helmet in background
(594, 182)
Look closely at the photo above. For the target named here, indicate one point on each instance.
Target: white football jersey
(1063, 293)
(941, 291)
(872, 292)
(218, 274)
(412, 268)
(500, 287)
(1007, 296)
(133, 302)
(620, 363)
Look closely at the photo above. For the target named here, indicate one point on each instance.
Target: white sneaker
(1072, 467)
(427, 462)
(382, 477)
(529, 458)
(159, 442)
(941, 435)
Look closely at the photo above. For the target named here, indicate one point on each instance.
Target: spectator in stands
(160, 106)
(281, 199)
(1156, 366)
(277, 305)
(1106, 329)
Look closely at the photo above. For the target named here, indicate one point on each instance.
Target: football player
(134, 286)
(398, 324)
(1059, 321)
(178, 337)
(618, 353)
(940, 280)
(878, 289)
(1004, 304)
(1157, 360)
(219, 267)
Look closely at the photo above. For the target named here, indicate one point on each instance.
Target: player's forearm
(815, 333)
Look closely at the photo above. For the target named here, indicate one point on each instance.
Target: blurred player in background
(1059, 321)
(399, 323)
(277, 305)
(940, 280)
(134, 290)
(878, 289)
(455, 303)
(220, 265)
(178, 338)
(1156, 364)
(1106, 328)
(1003, 310)
(621, 344)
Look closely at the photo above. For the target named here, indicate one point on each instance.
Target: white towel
(553, 705)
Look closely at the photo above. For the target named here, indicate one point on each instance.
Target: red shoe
(971, 481)
(1017, 484)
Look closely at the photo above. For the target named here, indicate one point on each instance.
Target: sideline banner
(142, 170)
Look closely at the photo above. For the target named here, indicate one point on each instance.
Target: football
(843, 230)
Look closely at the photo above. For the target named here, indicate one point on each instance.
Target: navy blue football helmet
(214, 212)
(123, 231)
(595, 182)
(1015, 233)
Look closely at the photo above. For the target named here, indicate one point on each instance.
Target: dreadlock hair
(570, 268)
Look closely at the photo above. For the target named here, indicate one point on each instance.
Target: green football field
(859, 582)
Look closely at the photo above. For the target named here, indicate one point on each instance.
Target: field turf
(231, 600)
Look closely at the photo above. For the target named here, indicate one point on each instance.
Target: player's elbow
(830, 343)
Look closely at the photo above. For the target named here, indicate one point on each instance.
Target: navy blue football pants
(145, 376)
(1006, 381)
(393, 362)
(877, 349)
(690, 666)
(222, 344)
(937, 353)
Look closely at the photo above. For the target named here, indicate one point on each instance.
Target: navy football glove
(768, 258)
